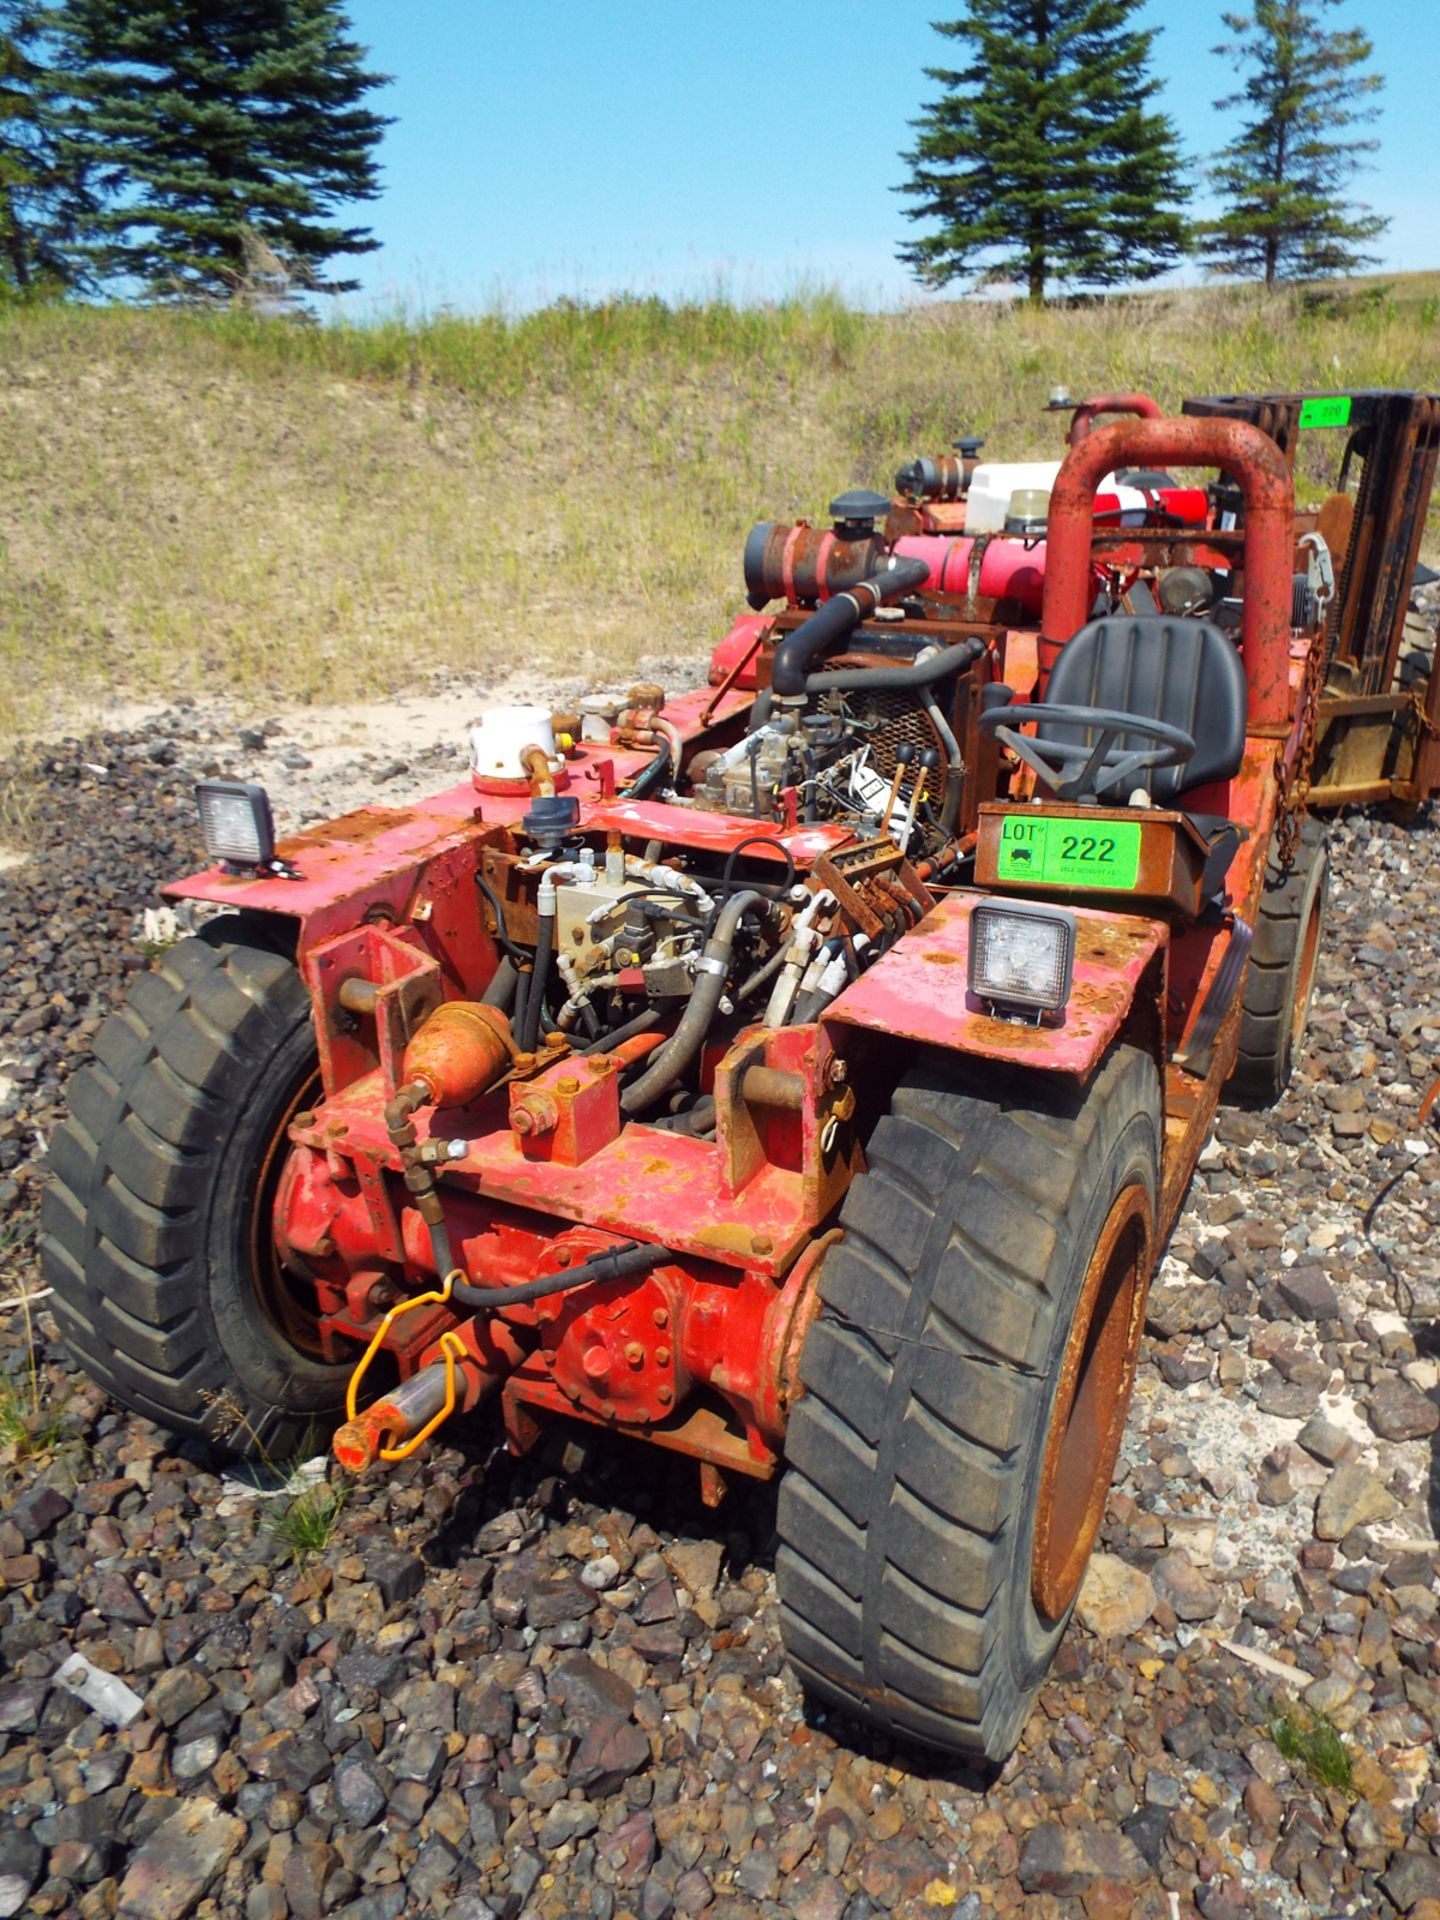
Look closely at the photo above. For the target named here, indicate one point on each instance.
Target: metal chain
(1294, 782)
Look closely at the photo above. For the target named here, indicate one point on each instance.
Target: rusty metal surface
(918, 990)
(1082, 421)
(1255, 461)
(1087, 1421)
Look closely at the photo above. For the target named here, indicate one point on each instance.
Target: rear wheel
(156, 1222)
(966, 1389)
(1280, 974)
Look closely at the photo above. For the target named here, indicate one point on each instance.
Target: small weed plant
(1313, 1742)
(304, 1522)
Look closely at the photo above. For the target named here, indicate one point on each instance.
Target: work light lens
(1022, 956)
(236, 822)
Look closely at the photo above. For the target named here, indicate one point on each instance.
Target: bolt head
(664, 1396)
(661, 1317)
(662, 1356)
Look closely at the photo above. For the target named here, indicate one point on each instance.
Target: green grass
(304, 1523)
(311, 513)
(1312, 1742)
(27, 1427)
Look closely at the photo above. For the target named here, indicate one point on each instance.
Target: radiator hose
(839, 616)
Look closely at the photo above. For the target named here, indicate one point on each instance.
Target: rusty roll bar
(1082, 421)
(1269, 495)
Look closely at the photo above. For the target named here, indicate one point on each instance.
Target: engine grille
(899, 717)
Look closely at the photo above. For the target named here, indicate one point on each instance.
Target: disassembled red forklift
(800, 1073)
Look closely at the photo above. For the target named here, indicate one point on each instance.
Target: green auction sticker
(1055, 851)
(1330, 410)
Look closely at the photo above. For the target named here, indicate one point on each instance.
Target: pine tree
(42, 193)
(1043, 160)
(1283, 176)
(222, 130)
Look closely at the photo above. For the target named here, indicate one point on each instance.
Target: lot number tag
(1330, 410)
(1078, 852)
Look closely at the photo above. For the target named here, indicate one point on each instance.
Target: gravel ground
(554, 1687)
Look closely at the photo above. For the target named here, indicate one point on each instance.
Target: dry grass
(191, 502)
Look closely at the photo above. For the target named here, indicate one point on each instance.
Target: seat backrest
(1185, 672)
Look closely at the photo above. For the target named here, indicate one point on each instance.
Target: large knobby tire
(1280, 974)
(155, 1224)
(966, 1385)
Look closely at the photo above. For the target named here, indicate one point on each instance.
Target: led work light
(1022, 956)
(236, 822)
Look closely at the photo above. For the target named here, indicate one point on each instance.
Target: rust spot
(350, 830)
(938, 957)
(728, 1236)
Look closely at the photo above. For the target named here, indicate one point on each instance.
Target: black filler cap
(550, 817)
(855, 513)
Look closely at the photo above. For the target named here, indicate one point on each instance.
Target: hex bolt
(664, 1396)
(607, 1410)
(662, 1317)
(635, 1354)
(568, 1085)
(761, 1242)
(662, 1356)
(305, 1118)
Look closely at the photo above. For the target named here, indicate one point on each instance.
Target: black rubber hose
(502, 932)
(642, 1023)
(646, 775)
(763, 975)
(539, 980)
(636, 1258)
(683, 1045)
(501, 990)
(777, 890)
(883, 679)
(839, 616)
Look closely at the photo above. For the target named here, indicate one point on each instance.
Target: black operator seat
(1184, 672)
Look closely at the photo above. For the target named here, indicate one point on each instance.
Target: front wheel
(1280, 974)
(966, 1386)
(156, 1222)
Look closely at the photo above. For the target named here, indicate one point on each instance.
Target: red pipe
(1250, 457)
(1082, 421)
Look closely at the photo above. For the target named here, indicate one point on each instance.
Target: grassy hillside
(191, 502)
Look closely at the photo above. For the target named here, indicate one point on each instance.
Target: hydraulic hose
(839, 616)
(642, 1023)
(611, 1265)
(501, 990)
(954, 763)
(683, 1045)
(529, 1035)
(924, 673)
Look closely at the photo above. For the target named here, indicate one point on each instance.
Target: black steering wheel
(1074, 771)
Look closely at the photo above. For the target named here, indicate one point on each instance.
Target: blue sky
(668, 147)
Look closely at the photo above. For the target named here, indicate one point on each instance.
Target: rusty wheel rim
(1097, 1373)
(277, 1287)
(1305, 980)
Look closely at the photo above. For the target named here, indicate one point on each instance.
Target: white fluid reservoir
(992, 484)
(502, 735)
